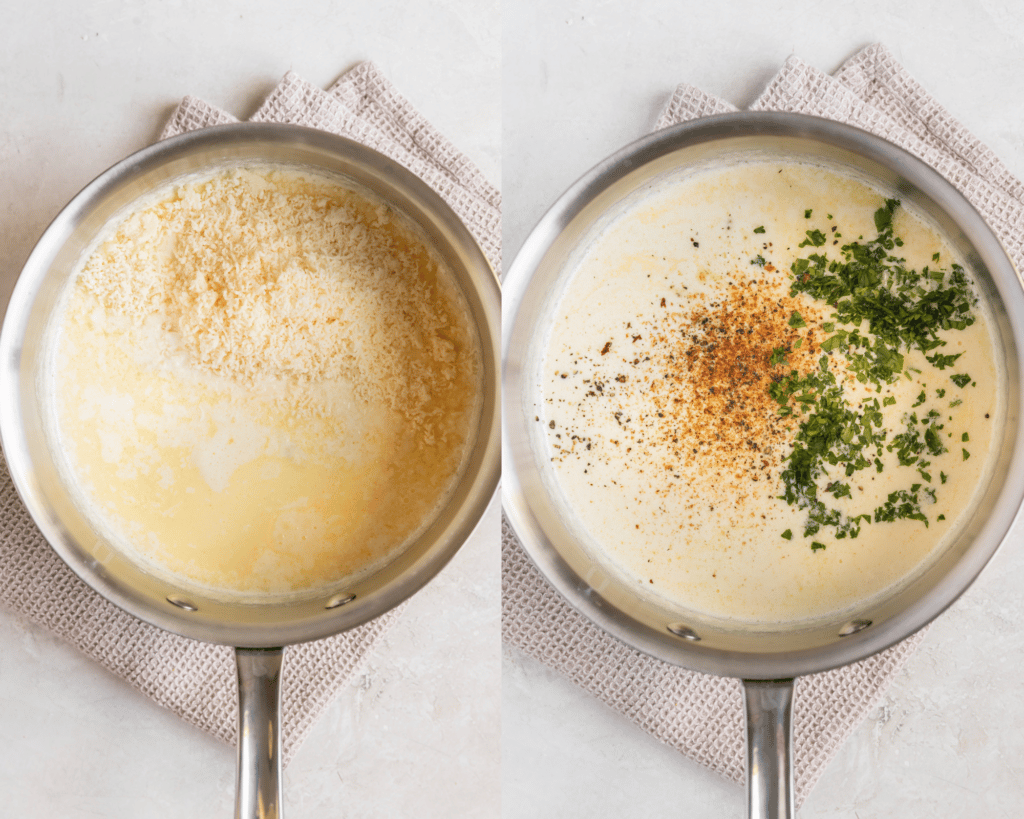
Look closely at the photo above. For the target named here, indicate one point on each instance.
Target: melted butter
(242, 489)
(678, 490)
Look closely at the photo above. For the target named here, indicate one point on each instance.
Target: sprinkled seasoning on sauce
(728, 441)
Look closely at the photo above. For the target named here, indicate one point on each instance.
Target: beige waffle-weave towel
(363, 105)
(197, 680)
(701, 715)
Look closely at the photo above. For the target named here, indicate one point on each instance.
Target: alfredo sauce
(263, 381)
(683, 371)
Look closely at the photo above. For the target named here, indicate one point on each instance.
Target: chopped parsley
(881, 311)
(904, 504)
(941, 361)
(815, 238)
(759, 229)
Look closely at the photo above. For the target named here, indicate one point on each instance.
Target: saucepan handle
(769, 705)
(258, 795)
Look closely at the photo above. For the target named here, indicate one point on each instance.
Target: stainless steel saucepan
(259, 626)
(767, 657)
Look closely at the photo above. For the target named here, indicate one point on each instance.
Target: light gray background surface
(83, 84)
(581, 79)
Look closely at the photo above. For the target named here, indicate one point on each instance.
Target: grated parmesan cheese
(266, 275)
(264, 381)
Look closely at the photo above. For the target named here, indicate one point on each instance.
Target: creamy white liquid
(672, 473)
(295, 465)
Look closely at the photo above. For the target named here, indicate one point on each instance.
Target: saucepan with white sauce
(762, 384)
(250, 395)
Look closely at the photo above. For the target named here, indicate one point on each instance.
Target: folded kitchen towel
(363, 105)
(194, 679)
(702, 716)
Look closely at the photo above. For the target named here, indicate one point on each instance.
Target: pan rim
(516, 486)
(261, 624)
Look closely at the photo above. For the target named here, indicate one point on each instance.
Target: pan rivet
(685, 632)
(182, 603)
(339, 600)
(853, 627)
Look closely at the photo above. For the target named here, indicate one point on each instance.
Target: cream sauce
(273, 483)
(672, 466)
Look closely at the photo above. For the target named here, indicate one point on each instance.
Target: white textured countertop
(582, 79)
(83, 84)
